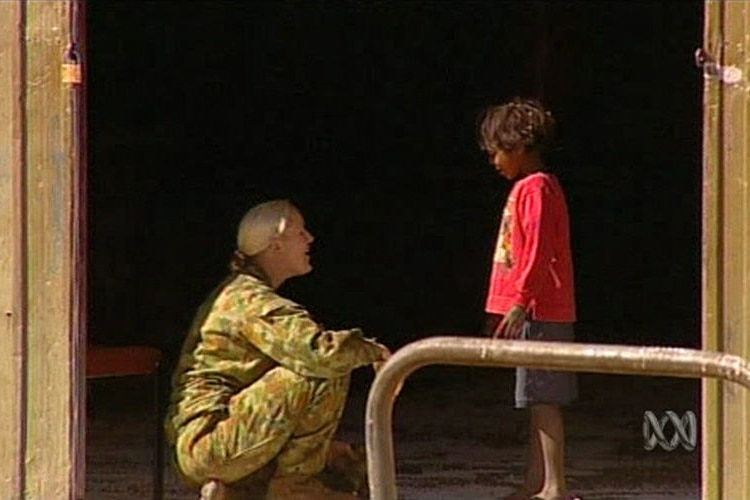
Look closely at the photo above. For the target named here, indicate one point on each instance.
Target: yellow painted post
(726, 243)
(41, 276)
(12, 266)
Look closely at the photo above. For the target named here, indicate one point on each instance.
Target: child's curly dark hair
(519, 123)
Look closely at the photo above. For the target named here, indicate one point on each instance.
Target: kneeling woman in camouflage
(260, 386)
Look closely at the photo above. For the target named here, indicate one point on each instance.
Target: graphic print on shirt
(503, 247)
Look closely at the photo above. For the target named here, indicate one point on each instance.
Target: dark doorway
(363, 113)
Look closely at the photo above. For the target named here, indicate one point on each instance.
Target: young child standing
(531, 294)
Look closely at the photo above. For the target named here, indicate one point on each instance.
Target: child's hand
(491, 322)
(511, 325)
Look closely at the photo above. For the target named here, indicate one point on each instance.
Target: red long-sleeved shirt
(532, 266)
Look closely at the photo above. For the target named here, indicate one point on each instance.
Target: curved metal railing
(567, 356)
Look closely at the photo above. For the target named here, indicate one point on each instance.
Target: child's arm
(536, 224)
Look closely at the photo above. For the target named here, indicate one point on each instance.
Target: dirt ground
(456, 436)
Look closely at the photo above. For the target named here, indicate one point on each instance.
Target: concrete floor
(456, 437)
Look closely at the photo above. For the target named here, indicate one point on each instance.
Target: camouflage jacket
(245, 329)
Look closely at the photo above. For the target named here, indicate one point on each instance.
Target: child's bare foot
(540, 496)
(564, 497)
(520, 494)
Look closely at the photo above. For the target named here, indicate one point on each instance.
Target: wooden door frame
(725, 61)
(42, 249)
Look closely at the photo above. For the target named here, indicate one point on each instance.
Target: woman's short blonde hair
(261, 224)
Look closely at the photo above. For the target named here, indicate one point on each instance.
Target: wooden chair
(129, 361)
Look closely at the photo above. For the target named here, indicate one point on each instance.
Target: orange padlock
(71, 73)
(71, 69)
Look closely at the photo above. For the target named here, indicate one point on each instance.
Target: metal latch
(731, 75)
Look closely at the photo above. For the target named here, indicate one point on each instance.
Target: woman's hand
(377, 365)
(385, 353)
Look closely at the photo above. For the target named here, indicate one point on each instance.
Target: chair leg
(158, 458)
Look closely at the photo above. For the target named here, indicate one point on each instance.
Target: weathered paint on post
(41, 270)
(726, 244)
(12, 311)
(53, 365)
(711, 257)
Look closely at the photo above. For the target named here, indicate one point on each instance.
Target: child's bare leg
(534, 468)
(547, 423)
(545, 472)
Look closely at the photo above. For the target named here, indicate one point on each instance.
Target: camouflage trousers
(282, 418)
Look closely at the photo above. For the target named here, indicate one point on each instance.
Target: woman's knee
(281, 391)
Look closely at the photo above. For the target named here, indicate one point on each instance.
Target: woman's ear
(276, 244)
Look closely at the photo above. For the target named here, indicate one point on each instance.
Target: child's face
(507, 163)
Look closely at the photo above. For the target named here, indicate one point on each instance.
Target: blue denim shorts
(545, 386)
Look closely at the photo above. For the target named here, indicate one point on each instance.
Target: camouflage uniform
(259, 382)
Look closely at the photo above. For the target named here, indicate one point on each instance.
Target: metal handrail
(565, 356)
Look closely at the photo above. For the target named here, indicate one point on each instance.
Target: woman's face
(295, 244)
